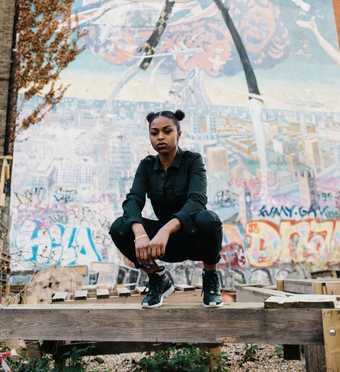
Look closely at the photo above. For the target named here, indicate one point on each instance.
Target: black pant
(204, 245)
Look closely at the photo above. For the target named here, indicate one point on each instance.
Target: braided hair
(176, 117)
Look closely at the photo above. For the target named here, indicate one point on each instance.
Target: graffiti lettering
(296, 212)
(266, 244)
(64, 196)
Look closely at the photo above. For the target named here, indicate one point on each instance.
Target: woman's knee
(117, 228)
(208, 221)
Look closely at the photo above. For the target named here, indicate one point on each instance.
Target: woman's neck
(167, 159)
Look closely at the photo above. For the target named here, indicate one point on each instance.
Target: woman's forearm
(172, 226)
(138, 229)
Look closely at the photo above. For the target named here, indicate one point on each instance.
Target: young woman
(175, 181)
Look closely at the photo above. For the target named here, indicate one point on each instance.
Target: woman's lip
(161, 145)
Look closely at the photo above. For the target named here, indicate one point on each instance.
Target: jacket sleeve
(135, 199)
(196, 197)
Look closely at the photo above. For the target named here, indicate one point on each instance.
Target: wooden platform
(237, 322)
(122, 325)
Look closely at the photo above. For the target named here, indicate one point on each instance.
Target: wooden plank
(315, 358)
(140, 290)
(233, 323)
(254, 294)
(332, 288)
(325, 274)
(301, 301)
(309, 286)
(80, 294)
(123, 292)
(59, 296)
(298, 286)
(331, 332)
(184, 287)
(102, 293)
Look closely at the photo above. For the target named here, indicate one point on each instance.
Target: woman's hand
(158, 244)
(142, 246)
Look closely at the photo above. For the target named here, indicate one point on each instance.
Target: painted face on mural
(257, 26)
(163, 135)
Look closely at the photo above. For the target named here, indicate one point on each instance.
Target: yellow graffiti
(266, 243)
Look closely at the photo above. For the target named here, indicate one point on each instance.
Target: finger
(138, 254)
(154, 251)
(151, 252)
(143, 254)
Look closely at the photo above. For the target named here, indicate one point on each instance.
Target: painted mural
(259, 81)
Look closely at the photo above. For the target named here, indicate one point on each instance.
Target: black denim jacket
(180, 191)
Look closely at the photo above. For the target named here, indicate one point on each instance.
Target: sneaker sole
(166, 294)
(214, 305)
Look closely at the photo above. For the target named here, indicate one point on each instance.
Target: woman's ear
(179, 135)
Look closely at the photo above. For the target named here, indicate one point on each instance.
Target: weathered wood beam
(310, 286)
(255, 294)
(301, 301)
(234, 323)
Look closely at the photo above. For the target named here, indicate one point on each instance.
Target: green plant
(74, 362)
(189, 358)
(43, 364)
(279, 351)
(250, 353)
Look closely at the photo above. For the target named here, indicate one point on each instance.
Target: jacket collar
(176, 163)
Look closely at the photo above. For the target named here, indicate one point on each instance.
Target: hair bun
(179, 115)
(150, 117)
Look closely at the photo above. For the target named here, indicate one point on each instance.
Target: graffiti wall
(259, 81)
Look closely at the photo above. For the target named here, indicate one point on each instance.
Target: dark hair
(176, 117)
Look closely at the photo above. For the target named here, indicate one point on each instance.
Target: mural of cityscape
(259, 81)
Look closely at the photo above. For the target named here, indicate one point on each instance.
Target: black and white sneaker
(160, 286)
(211, 289)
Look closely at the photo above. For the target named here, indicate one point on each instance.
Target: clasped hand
(147, 250)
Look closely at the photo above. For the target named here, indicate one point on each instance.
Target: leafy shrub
(250, 353)
(186, 359)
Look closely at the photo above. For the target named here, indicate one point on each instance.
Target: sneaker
(160, 286)
(211, 289)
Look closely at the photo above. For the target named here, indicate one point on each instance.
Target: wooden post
(215, 352)
(280, 285)
(315, 358)
(331, 334)
(318, 288)
(315, 354)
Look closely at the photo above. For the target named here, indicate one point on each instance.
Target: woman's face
(163, 135)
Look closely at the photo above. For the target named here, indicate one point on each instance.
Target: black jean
(203, 245)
